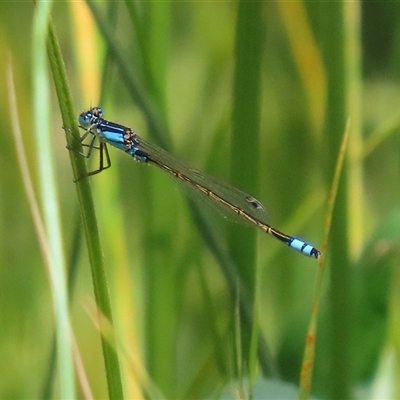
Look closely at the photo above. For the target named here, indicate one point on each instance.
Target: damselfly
(231, 199)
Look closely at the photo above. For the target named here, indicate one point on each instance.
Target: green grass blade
(309, 352)
(340, 289)
(355, 179)
(133, 83)
(88, 214)
(245, 144)
(50, 200)
(235, 285)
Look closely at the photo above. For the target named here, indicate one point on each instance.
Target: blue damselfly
(231, 199)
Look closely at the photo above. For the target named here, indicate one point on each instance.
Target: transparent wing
(231, 195)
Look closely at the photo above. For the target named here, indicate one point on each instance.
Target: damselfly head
(90, 118)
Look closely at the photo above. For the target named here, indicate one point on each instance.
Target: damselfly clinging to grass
(231, 199)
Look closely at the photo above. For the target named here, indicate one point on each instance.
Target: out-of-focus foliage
(174, 316)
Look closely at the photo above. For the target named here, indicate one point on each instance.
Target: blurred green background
(309, 67)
